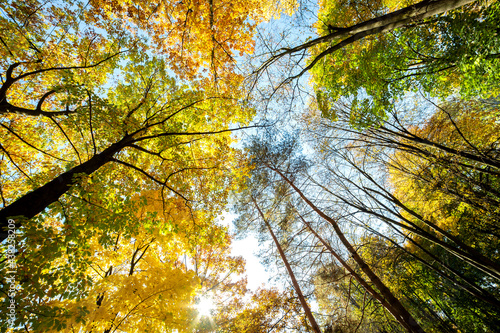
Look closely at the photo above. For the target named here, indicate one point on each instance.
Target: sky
(256, 273)
(247, 247)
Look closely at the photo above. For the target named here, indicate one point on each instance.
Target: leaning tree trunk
(399, 311)
(348, 35)
(359, 278)
(396, 19)
(33, 203)
(296, 286)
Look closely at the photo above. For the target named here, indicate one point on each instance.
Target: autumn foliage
(128, 129)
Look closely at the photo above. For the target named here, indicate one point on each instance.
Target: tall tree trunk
(397, 19)
(461, 250)
(456, 277)
(400, 312)
(429, 143)
(387, 22)
(33, 203)
(388, 306)
(296, 286)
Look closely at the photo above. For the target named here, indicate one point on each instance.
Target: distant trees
(380, 217)
(385, 202)
(276, 169)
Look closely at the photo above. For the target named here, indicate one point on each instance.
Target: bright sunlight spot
(205, 306)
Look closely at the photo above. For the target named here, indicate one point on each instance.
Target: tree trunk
(396, 19)
(33, 203)
(400, 18)
(359, 278)
(461, 250)
(384, 23)
(296, 286)
(400, 312)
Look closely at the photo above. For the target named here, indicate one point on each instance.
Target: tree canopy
(358, 141)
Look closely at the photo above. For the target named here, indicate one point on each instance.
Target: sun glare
(205, 306)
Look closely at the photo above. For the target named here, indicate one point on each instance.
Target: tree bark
(398, 18)
(400, 312)
(33, 203)
(387, 22)
(296, 286)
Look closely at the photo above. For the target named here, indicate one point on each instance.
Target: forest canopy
(357, 141)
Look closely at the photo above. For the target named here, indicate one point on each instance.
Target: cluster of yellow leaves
(19, 171)
(460, 125)
(193, 34)
(154, 292)
(134, 283)
(411, 193)
(266, 310)
(115, 252)
(40, 36)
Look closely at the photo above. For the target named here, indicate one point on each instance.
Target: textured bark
(384, 23)
(398, 18)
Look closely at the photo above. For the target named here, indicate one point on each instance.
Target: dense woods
(358, 141)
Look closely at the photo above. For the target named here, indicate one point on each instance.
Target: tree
(441, 162)
(303, 302)
(373, 57)
(381, 68)
(51, 43)
(146, 280)
(84, 80)
(47, 64)
(371, 143)
(267, 310)
(156, 124)
(258, 204)
(102, 118)
(279, 160)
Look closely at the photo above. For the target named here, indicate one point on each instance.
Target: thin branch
(162, 183)
(43, 70)
(194, 133)
(29, 144)
(15, 164)
(90, 122)
(67, 138)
